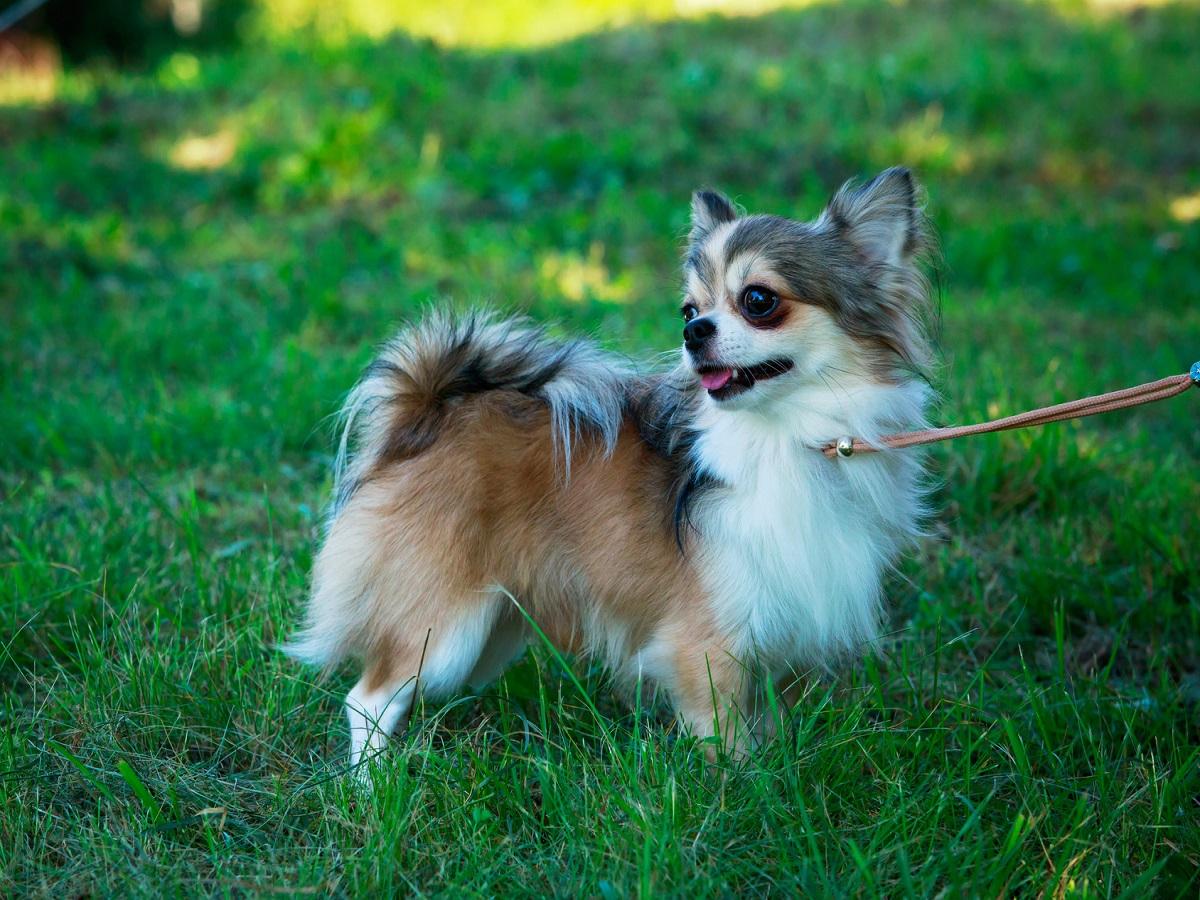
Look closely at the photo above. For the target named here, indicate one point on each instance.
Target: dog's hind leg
(435, 660)
(505, 643)
(375, 709)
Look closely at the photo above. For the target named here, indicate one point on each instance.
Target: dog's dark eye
(759, 301)
(689, 312)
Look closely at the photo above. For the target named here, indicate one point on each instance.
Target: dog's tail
(403, 400)
(400, 404)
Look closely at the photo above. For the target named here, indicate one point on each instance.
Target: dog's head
(771, 303)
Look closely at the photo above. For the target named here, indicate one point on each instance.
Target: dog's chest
(792, 553)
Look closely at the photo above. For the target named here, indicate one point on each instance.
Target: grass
(197, 258)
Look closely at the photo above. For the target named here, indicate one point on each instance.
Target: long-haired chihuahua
(681, 526)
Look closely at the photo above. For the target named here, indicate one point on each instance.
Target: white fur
(794, 544)
(373, 715)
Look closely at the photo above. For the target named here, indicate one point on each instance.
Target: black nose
(697, 331)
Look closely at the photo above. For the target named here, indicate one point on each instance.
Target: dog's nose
(697, 331)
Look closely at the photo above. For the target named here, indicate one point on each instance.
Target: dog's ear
(880, 218)
(709, 209)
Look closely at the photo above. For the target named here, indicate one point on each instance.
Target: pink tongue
(714, 381)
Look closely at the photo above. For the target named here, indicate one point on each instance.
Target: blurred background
(257, 189)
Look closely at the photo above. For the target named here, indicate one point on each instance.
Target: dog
(494, 485)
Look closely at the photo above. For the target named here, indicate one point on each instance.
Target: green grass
(197, 259)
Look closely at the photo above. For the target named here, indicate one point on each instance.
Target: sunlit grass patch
(30, 71)
(505, 23)
(1185, 209)
(204, 151)
(517, 24)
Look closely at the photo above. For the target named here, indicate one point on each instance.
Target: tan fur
(428, 539)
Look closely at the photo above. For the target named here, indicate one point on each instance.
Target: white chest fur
(793, 546)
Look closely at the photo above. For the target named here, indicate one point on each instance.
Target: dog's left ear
(709, 209)
(880, 218)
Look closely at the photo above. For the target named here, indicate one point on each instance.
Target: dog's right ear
(709, 209)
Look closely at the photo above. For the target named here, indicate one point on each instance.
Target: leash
(1151, 392)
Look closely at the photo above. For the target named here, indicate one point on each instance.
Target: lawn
(198, 255)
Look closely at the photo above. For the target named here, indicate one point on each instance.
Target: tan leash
(1074, 409)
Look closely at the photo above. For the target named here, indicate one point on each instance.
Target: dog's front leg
(711, 694)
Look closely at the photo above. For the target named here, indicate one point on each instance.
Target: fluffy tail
(401, 403)
(398, 407)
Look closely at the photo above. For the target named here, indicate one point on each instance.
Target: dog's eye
(689, 312)
(759, 301)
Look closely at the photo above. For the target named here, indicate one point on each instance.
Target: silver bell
(845, 447)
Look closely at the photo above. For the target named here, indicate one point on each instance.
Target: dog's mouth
(723, 382)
